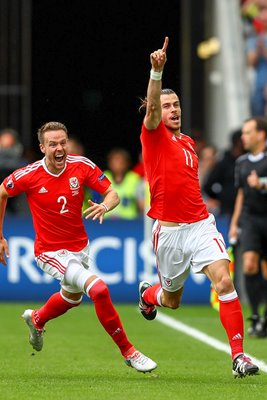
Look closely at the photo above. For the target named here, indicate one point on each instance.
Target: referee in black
(249, 219)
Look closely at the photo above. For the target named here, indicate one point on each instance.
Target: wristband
(263, 182)
(155, 76)
(105, 207)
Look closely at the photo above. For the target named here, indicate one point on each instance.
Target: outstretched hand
(159, 57)
(3, 251)
(95, 211)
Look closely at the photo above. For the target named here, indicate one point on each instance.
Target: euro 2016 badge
(10, 184)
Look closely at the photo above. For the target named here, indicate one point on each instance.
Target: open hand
(3, 250)
(94, 211)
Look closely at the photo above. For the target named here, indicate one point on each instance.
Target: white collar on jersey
(255, 158)
(50, 173)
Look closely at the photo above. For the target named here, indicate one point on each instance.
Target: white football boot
(36, 335)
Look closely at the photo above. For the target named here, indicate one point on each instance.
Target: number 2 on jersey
(64, 201)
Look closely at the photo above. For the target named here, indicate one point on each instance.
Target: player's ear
(42, 148)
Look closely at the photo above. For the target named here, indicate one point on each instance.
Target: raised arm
(4, 252)
(153, 110)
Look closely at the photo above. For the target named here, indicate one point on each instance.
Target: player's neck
(52, 169)
(176, 132)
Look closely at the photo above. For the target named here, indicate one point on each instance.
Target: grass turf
(80, 361)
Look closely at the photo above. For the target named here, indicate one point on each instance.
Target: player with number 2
(54, 189)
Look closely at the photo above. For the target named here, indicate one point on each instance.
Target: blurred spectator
(142, 192)
(10, 149)
(75, 146)
(125, 182)
(207, 160)
(11, 158)
(250, 12)
(197, 136)
(220, 185)
(257, 60)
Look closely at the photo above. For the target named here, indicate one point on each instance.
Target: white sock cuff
(229, 296)
(91, 285)
(158, 296)
(70, 300)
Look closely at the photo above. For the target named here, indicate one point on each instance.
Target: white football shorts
(186, 247)
(56, 263)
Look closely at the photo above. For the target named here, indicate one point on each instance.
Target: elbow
(152, 123)
(152, 119)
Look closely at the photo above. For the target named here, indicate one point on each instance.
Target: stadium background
(87, 63)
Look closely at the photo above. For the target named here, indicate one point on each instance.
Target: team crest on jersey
(10, 183)
(74, 183)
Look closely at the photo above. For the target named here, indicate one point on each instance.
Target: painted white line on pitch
(202, 337)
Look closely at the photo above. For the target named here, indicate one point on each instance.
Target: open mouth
(59, 158)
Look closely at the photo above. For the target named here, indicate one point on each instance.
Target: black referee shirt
(255, 201)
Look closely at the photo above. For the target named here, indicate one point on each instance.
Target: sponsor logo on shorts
(168, 282)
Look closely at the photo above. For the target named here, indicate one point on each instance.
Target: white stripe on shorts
(53, 262)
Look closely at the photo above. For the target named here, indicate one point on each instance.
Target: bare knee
(250, 262)
(72, 296)
(250, 267)
(224, 285)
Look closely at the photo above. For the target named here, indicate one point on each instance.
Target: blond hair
(50, 126)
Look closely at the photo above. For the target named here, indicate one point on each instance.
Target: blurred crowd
(216, 174)
(254, 13)
(216, 168)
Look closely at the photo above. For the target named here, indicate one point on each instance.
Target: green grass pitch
(79, 361)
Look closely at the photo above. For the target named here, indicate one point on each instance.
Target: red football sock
(150, 295)
(54, 307)
(232, 320)
(108, 316)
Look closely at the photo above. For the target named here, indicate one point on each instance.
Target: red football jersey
(171, 166)
(56, 201)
